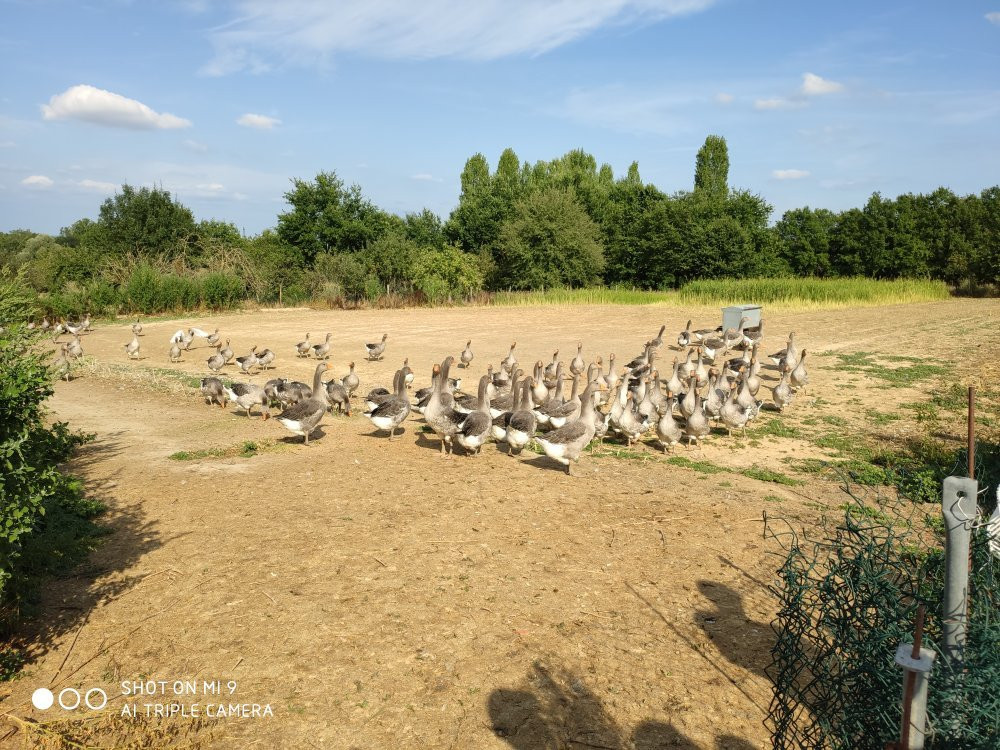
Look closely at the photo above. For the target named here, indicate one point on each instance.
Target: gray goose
(668, 431)
(476, 427)
(175, 353)
(550, 368)
(782, 394)
(303, 348)
(788, 357)
(215, 363)
(733, 414)
(510, 360)
(506, 402)
(132, 347)
(136, 327)
(439, 414)
(799, 376)
(632, 424)
(248, 361)
(696, 427)
(407, 373)
(336, 395)
(247, 396)
(304, 417)
(390, 413)
(657, 342)
(376, 350)
(566, 443)
(61, 365)
(292, 392)
(75, 349)
(213, 339)
(214, 391)
(684, 337)
(264, 359)
(539, 393)
(577, 364)
(227, 352)
(561, 414)
(351, 381)
(322, 351)
(272, 389)
(466, 356)
(521, 425)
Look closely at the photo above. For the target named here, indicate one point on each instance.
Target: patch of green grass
(773, 499)
(246, 449)
(776, 428)
(812, 292)
(834, 420)
(881, 418)
(769, 475)
(835, 442)
(589, 296)
(705, 467)
(11, 661)
(859, 510)
(897, 377)
(608, 450)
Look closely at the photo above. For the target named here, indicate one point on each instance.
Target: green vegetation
(812, 292)
(705, 467)
(769, 475)
(246, 449)
(562, 225)
(595, 295)
(46, 523)
(899, 377)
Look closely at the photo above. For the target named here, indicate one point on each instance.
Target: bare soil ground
(377, 595)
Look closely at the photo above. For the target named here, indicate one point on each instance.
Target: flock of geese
(680, 403)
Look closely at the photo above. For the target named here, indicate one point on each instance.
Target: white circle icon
(72, 691)
(42, 699)
(103, 699)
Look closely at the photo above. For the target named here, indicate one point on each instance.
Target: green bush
(142, 290)
(177, 293)
(44, 518)
(447, 273)
(220, 291)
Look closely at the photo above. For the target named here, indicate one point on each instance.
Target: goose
(213, 338)
(714, 398)
(787, 357)
(249, 361)
(85, 324)
(247, 396)
(655, 393)
(501, 378)
(696, 427)
(376, 350)
(684, 337)
(303, 348)
(214, 391)
(701, 372)
(734, 364)
(754, 335)
(351, 381)
(75, 349)
(57, 330)
(611, 378)
(376, 396)
(539, 393)
(132, 347)
(782, 394)
(550, 368)
(506, 402)
(303, 417)
(175, 353)
(668, 431)
(272, 390)
(646, 407)
(510, 360)
(227, 352)
(561, 414)
(658, 341)
(76, 330)
(423, 395)
(566, 443)
(752, 380)
(734, 336)
(322, 351)
(703, 333)
(46, 325)
(292, 391)
(799, 377)
(632, 425)
(555, 381)
(711, 346)
(734, 416)
(439, 414)
(407, 373)
(619, 404)
(186, 341)
(555, 399)
(642, 360)
(674, 384)
(200, 333)
(477, 426)
(577, 364)
(521, 425)
(61, 366)
(215, 363)
(687, 367)
(336, 395)
(136, 327)
(466, 356)
(690, 403)
(469, 402)
(745, 398)
(390, 413)
(179, 337)
(264, 359)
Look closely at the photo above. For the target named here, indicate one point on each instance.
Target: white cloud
(193, 145)
(813, 85)
(96, 185)
(211, 187)
(307, 32)
(723, 98)
(777, 103)
(260, 122)
(993, 17)
(102, 107)
(424, 177)
(38, 182)
(789, 174)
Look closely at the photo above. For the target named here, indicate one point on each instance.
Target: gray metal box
(731, 316)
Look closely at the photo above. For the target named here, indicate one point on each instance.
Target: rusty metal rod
(911, 678)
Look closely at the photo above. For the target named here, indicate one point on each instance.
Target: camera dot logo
(42, 699)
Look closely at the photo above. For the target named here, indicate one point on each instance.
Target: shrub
(220, 291)
(446, 273)
(142, 289)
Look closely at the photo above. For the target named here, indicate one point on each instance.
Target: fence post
(959, 506)
(916, 663)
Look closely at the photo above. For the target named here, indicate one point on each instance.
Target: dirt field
(377, 595)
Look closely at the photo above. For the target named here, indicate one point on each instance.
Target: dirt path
(377, 595)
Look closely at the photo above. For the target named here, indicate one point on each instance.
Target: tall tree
(147, 220)
(804, 240)
(711, 173)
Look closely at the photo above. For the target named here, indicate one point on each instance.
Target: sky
(223, 102)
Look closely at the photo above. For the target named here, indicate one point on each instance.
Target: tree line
(565, 222)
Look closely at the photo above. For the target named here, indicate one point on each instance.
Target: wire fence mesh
(848, 596)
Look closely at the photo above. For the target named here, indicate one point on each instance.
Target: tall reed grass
(811, 292)
(597, 295)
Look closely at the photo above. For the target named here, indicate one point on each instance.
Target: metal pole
(959, 507)
(917, 663)
(972, 432)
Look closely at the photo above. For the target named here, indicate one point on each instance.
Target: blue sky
(223, 101)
